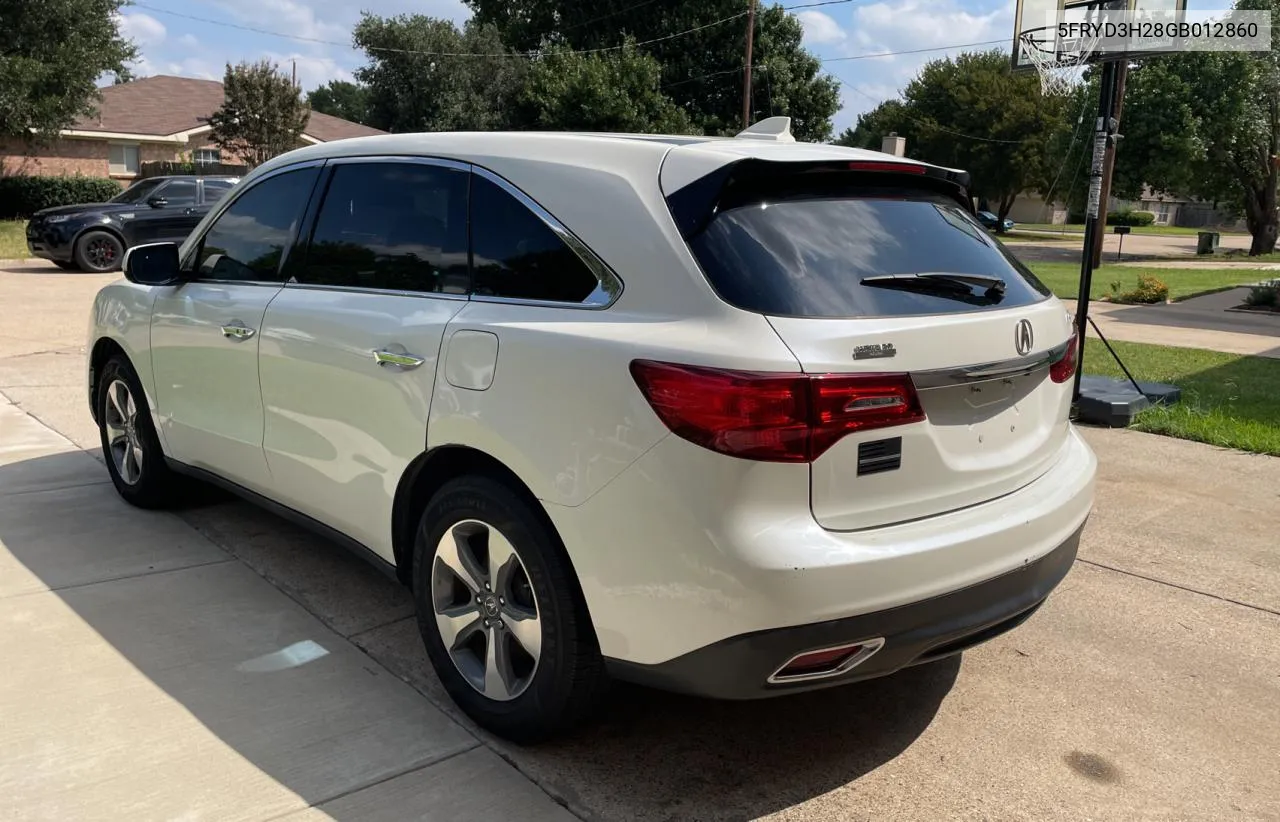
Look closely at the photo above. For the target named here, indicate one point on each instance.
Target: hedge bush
(23, 195)
(1133, 218)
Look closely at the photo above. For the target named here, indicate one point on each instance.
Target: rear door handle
(393, 359)
(236, 330)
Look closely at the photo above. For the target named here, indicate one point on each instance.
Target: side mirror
(152, 264)
(157, 202)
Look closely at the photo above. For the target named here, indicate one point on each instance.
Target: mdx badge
(875, 352)
(1023, 337)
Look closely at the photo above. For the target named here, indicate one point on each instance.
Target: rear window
(807, 254)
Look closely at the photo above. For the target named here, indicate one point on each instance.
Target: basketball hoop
(1060, 67)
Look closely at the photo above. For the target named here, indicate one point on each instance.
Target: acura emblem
(1023, 337)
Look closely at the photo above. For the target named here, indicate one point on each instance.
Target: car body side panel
(122, 313)
(563, 411)
(340, 429)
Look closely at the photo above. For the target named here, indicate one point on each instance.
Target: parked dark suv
(94, 236)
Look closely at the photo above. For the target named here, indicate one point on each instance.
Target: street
(220, 663)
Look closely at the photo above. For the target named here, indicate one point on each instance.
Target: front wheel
(132, 450)
(99, 251)
(501, 614)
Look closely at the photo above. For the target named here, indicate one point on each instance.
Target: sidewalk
(1202, 322)
(151, 675)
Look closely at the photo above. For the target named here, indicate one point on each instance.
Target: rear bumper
(688, 548)
(740, 667)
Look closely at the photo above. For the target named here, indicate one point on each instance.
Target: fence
(165, 167)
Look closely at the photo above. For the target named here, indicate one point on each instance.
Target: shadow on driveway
(190, 621)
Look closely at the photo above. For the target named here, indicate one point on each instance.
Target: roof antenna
(773, 129)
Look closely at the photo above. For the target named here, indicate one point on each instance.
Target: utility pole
(746, 82)
(1122, 73)
(295, 73)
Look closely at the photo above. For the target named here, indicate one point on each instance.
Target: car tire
(135, 459)
(99, 252)
(475, 525)
(66, 265)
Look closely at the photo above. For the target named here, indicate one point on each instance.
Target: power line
(523, 55)
(823, 3)
(871, 55)
(935, 126)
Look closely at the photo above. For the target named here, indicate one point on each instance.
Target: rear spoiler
(694, 204)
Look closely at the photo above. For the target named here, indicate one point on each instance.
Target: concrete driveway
(1147, 688)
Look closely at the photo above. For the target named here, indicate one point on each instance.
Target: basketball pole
(1103, 127)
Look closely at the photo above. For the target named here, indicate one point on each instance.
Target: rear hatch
(880, 268)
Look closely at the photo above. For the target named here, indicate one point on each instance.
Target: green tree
(341, 99)
(50, 60)
(701, 71)
(972, 112)
(262, 113)
(614, 91)
(439, 90)
(890, 117)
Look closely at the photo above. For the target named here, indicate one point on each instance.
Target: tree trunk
(1261, 218)
(1006, 204)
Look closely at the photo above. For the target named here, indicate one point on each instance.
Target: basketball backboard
(1033, 27)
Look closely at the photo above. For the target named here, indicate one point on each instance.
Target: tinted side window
(395, 226)
(179, 192)
(517, 255)
(248, 240)
(215, 190)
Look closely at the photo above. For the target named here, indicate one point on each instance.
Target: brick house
(152, 119)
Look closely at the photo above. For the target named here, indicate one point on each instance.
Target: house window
(208, 156)
(1162, 216)
(122, 159)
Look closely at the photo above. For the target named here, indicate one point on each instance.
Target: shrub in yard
(22, 195)
(1130, 217)
(1150, 290)
(1265, 294)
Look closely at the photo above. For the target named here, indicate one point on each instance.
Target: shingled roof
(163, 106)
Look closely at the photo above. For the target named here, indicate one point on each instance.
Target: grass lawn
(13, 239)
(1227, 400)
(1064, 279)
(1157, 230)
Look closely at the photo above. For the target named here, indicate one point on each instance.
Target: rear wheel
(501, 614)
(132, 450)
(99, 251)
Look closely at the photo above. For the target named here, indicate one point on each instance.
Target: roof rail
(774, 129)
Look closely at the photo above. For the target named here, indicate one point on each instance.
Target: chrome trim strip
(440, 162)
(387, 292)
(985, 372)
(197, 281)
(869, 647)
(600, 298)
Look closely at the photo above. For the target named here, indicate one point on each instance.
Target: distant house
(153, 119)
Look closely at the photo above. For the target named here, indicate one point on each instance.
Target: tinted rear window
(802, 254)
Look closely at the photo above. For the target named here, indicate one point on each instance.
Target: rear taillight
(773, 417)
(1065, 368)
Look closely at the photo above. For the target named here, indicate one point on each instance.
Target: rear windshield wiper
(932, 280)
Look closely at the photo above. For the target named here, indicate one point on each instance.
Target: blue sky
(174, 45)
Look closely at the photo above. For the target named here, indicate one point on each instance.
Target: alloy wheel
(485, 610)
(123, 440)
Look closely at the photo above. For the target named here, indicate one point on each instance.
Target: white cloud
(313, 71)
(142, 29)
(188, 41)
(906, 25)
(819, 28)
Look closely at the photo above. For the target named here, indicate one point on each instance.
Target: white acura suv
(738, 417)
